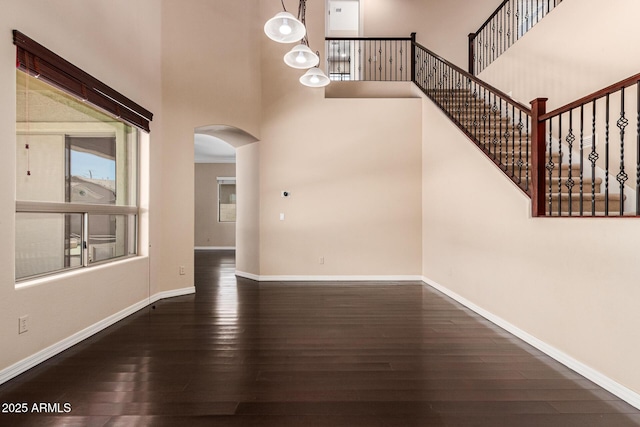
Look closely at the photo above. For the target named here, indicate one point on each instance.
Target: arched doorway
(226, 193)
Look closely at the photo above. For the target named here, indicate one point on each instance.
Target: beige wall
(352, 168)
(210, 75)
(248, 209)
(61, 306)
(354, 181)
(209, 232)
(441, 26)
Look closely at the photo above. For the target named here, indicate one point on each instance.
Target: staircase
(501, 138)
(571, 179)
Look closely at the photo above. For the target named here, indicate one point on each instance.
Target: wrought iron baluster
(582, 160)
(502, 161)
(379, 60)
(593, 158)
(486, 46)
(513, 140)
(527, 136)
(400, 64)
(526, 17)
(559, 164)
(484, 119)
(493, 125)
(606, 159)
(514, 22)
(381, 63)
(550, 167)
(388, 62)
(569, 183)
(475, 111)
(360, 57)
(501, 32)
(369, 72)
(517, 19)
(507, 28)
(622, 176)
(393, 58)
(493, 41)
(372, 58)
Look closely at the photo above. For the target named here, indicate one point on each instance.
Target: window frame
(36, 61)
(225, 180)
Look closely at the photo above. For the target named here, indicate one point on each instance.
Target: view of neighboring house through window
(76, 182)
(227, 199)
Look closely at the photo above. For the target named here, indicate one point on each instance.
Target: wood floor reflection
(239, 353)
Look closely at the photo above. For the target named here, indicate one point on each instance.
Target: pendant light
(301, 57)
(315, 77)
(284, 27)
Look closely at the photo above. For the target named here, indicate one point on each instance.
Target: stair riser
(507, 158)
(483, 124)
(614, 206)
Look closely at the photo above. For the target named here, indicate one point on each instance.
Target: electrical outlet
(182, 271)
(321, 260)
(23, 324)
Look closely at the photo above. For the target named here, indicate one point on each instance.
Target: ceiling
(218, 143)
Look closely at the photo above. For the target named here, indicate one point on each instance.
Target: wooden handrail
(384, 39)
(594, 96)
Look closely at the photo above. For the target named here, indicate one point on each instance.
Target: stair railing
(506, 25)
(499, 125)
(597, 142)
(369, 58)
(577, 160)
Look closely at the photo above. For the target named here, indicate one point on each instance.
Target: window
(76, 183)
(76, 166)
(227, 199)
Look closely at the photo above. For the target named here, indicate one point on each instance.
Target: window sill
(54, 277)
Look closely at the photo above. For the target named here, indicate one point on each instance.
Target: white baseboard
(215, 248)
(600, 379)
(337, 278)
(249, 276)
(39, 357)
(171, 294)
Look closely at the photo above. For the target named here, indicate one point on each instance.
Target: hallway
(239, 353)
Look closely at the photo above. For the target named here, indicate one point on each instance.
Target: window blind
(40, 62)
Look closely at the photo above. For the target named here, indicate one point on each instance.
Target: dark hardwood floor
(239, 353)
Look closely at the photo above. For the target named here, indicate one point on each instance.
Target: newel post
(472, 53)
(538, 157)
(413, 57)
